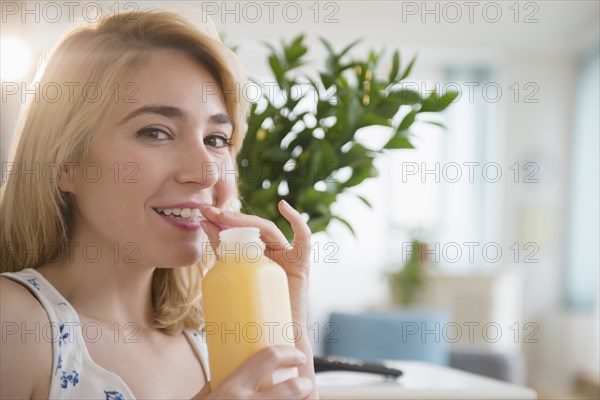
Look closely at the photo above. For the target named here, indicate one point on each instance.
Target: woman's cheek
(226, 184)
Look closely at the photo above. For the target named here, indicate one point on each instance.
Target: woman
(103, 256)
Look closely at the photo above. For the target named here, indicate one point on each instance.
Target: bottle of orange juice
(246, 304)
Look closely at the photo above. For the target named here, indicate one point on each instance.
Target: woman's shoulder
(19, 305)
(16, 298)
(26, 355)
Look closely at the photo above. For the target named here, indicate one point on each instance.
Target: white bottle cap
(243, 243)
(240, 235)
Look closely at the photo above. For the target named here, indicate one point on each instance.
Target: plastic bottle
(246, 305)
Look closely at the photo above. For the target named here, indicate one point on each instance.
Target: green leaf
(329, 154)
(395, 66)
(348, 65)
(447, 99)
(436, 124)
(406, 97)
(277, 155)
(357, 156)
(373, 57)
(295, 50)
(277, 69)
(256, 120)
(327, 79)
(409, 68)
(271, 47)
(348, 47)
(354, 113)
(327, 45)
(343, 82)
(332, 61)
(373, 119)
(318, 224)
(434, 103)
(387, 108)
(316, 199)
(325, 110)
(364, 200)
(399, 141)
(342, 220)
(361, 173)
(298, 40)
(264, 196)
(407, 121)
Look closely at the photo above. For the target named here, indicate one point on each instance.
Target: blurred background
(505, 200)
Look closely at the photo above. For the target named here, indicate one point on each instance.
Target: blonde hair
(35, 216)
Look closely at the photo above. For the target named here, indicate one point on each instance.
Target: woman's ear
(66, 181)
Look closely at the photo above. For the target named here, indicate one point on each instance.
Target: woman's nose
(196, 165)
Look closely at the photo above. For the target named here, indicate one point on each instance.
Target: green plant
(286, 154)
(406, 282)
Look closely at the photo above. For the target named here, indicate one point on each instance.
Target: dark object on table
(335, 363)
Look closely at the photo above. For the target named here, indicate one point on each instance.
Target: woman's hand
(245, 381)
(294, 259)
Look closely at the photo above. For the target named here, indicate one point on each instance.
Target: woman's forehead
(171, 78)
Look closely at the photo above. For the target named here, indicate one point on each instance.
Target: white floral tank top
(74, 374)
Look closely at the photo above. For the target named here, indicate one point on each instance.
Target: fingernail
(286, 204)
(208, 208)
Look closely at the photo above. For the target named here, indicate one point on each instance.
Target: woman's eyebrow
(174, 112)
(221, 119)
(167, 111)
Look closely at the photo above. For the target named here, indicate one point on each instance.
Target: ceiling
(562, 26)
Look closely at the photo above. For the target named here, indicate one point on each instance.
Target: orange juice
(246, 305)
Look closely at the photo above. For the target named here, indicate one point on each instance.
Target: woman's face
(164, 153)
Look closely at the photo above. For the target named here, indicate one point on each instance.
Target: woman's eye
(217, 141)
(153, 133)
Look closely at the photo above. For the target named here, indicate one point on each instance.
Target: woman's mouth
(188, 219)
(181, 213)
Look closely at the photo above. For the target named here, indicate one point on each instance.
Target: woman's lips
(186, 220)
(189, 223)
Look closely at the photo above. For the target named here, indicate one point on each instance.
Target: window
(448, 187)
(583, 260)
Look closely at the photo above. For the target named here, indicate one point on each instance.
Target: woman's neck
(101, 289)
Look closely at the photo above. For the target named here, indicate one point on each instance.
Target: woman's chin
(184, 258)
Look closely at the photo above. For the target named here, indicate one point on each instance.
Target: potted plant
(407, 282)
(298, 153)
